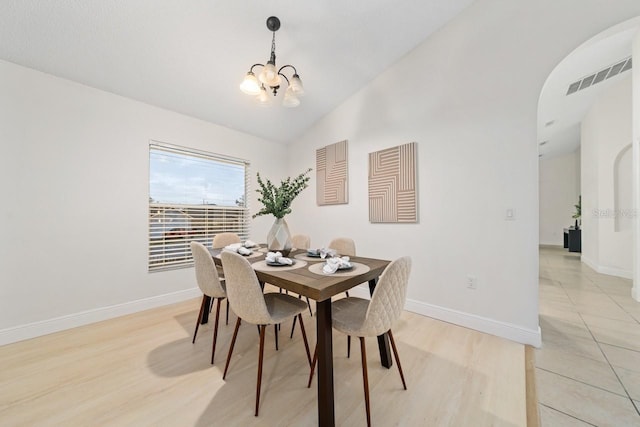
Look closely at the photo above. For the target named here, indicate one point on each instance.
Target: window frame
(172, 226)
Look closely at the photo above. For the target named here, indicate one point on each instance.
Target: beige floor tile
(549, 417)
(552, 314)
(626, 337)
(628, 324)
(621, 289)
(608, 310)
(629, 305)
(591, 404)
(622, 357)
(583, 296)
(582, 347)
(566, 305)
(589, 371)
(563, 327)
(631, 381)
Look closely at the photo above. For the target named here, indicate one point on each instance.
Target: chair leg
(233, 342)
(215, 330)
(293, 326)
(304, 337)
(260, 357)
(347, 293)
(204, 298)
(395, 353)
(365, 380)
(309, 305)
(227, 321)
(313, 366)
(275, 328)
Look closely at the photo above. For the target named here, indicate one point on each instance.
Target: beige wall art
(393, 181)
(332, 186)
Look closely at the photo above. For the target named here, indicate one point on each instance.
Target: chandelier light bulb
(263, 96)
(296, 85)
(250, 84)
(290, 99)
(269, 75)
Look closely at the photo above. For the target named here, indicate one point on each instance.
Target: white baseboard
(610, 271)
(482, 324)
(44, 327)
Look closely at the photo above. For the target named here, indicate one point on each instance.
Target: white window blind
(193, 195)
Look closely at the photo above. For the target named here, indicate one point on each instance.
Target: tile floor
(588, 369)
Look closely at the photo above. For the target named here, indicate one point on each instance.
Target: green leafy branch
(578, 213)
(277, 200)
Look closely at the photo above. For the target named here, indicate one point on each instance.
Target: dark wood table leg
(205, 314)
(326, 412)
(383, 340)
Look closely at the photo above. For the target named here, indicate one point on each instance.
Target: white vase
(279, 237)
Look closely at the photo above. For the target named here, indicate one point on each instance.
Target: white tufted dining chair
(344, 245)
(251, 305)
(370, 318)
(211, 286)
(301, 241)
(221, 240)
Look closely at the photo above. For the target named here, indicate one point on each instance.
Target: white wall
(74, 185)
(606, 134)
(468, 95)
(635, 167)
(559, 188)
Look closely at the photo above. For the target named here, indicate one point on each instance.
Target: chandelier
(272, 78)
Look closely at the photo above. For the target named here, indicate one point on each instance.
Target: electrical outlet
(472, 282)
(510, 214)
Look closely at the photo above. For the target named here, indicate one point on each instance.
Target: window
(193, 195)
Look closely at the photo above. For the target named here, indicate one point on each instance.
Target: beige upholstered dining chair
(221, 240)
(344, 246)
(251, 305)
(211, 286)
(301, 241)
(371, 318)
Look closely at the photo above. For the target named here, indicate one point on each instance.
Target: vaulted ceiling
(190, 57)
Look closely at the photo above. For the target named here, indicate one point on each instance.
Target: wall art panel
(393, 180)
(332, 174)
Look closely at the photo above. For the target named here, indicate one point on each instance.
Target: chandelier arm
(254, 66)
(285, 77)
(285, 66)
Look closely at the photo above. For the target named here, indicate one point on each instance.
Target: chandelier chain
(273, 47)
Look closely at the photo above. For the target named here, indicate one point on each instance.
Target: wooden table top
(315, 286)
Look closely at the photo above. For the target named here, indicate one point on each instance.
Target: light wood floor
(142, 370)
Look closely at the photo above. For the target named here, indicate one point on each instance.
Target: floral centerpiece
(277, 201)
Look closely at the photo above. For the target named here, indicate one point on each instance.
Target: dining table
(308, 280)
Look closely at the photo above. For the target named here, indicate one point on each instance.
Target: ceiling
(190, 57)
(559, 114)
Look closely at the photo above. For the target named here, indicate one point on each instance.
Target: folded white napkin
(277, 257)
(250, 244)
(327, 252)
(334, 264)
(238, 248)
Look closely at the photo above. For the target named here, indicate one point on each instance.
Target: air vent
(602, 75)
